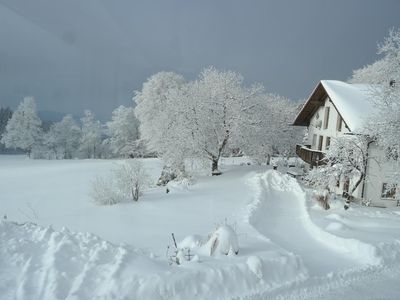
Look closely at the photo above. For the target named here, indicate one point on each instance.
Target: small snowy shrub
(131, 178)
(167, 175)
(223, 241)
(103, 191)
(127, 181)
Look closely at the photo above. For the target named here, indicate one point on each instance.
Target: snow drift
(41, 263)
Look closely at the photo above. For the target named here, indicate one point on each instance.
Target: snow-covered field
(57, 244)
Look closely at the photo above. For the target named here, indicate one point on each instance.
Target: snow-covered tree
(90, 140)
(211, 116)
(384, 75)
(23, 130)
(123, 131)
(346, 158)
(63, 138)
(156, 112)
(5, 116)
(197, 119)
(221, 111)
(274, 135)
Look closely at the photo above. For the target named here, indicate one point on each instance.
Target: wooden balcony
(310, 156)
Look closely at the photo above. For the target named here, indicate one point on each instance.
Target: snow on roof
(353, 101)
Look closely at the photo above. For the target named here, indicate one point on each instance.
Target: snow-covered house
(334, 109)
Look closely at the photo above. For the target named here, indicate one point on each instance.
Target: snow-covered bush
(131, 178)
(126, 181)
(223, 241)
(167, 175)
(104, 192)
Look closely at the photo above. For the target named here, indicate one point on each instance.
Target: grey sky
(73, 55)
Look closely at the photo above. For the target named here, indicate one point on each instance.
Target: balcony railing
(310, 156)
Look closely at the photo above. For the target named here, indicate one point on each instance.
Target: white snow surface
(57, 244)
(353, 101)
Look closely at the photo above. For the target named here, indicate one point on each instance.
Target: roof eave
(303, 117)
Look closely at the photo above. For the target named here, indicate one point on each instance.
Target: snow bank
(45, 264)
(41, 263)
(356, 249)
(276, 192)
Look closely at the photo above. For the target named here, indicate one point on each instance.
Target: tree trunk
(135, 192)
(268, 159)
(214, 167)
(349, 194)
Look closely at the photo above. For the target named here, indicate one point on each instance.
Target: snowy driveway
(338, 268)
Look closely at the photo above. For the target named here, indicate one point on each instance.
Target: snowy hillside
(57, 244)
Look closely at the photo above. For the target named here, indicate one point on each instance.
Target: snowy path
(281, 218)
(280, 214)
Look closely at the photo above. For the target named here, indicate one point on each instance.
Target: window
(339, 123)
(388, 190)
(326, 119)
(327, 142)
(320, 141)
(314, 141)
(392, 154)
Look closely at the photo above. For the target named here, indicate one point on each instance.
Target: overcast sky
(73, 55)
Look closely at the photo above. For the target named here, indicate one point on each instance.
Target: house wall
(317, 125)
(379, 171)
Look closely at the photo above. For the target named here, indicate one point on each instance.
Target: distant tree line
(24, 131)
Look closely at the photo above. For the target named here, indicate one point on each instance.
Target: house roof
(352, 101)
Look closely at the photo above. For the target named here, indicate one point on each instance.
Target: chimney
(392, 83)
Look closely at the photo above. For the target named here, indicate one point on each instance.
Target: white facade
(379, 175)
(322, 129)
(323, 112)
(325, 125)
